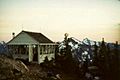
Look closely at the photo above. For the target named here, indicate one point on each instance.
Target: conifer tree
(116, 62)
(102, 59)
(95, 59)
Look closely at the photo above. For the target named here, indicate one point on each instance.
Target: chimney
(13, 34)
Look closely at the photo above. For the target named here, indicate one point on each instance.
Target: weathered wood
(30, 53)
(39, 54)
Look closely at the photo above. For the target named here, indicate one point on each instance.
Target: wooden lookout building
(32, 46)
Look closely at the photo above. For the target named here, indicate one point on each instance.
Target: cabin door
(35, 53)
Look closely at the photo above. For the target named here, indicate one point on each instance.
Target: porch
(33, 52)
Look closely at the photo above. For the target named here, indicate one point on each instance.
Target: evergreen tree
(102, 59)
(68, 55)
(95, 59)
(116, 62)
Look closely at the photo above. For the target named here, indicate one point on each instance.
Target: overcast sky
(79, 18)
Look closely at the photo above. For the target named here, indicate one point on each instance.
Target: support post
(42, 50)
(30, 53)
(54, 49)
(38, 54)
(49, 49)
(45, 49)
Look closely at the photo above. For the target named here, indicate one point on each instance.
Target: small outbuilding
(32, 46)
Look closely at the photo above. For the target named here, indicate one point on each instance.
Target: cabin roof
(29, 38)
(38, 37)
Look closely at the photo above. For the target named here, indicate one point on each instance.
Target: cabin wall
(42, 57)
(46, 51)
(20, 56)
(19, 51)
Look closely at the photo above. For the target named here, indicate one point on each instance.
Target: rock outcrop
(11, 69)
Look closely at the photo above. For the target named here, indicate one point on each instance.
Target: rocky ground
(16, 70)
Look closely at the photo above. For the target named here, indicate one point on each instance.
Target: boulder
(11, 69)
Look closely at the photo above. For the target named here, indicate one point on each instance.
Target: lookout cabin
(31, 46)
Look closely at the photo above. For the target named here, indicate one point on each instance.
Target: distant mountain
(75, 43)
(82, 48)
(85, 41)
(3, 48)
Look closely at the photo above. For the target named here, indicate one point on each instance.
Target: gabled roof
(33, 38)
(38, 37)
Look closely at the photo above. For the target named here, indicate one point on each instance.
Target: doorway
(35, 53)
